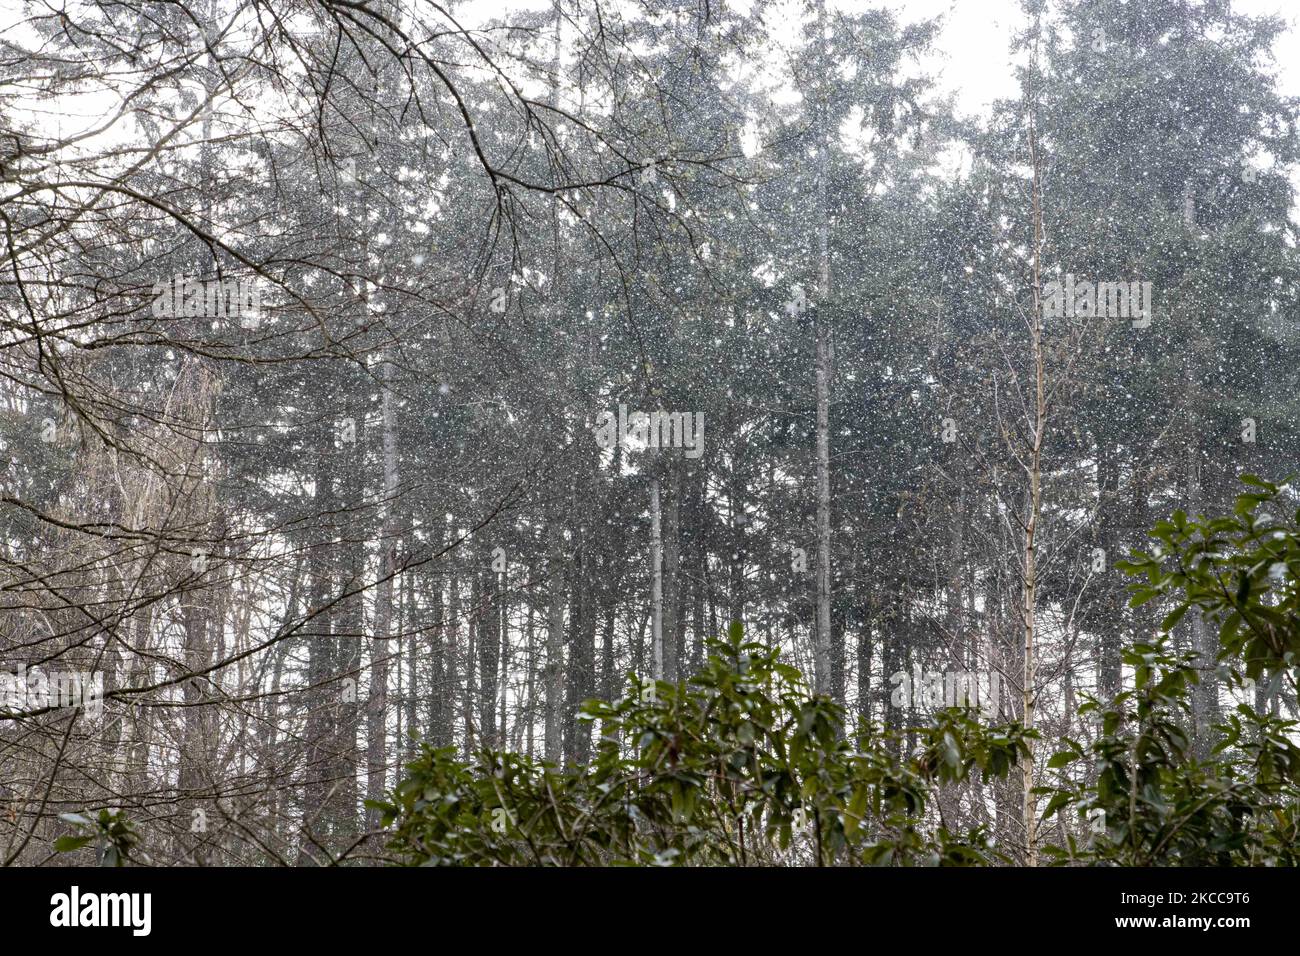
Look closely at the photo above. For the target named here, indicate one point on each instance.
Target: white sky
(972, 55)
(973, 48)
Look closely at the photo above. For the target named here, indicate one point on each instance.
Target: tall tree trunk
(381, 650)
(608, 675)
(582, 657)
(441, 674)
(489, 653)
(412, 661)
(736, 560)
(1111, 602)
(823, 682)
(554, 730)
(503, 681)
(864, 664)
(1029, 691)
(457, 662)
(656, 583)
(530, 691)
(577, 609)
(195, 760)
(324, 692)
(672, 590)
(1205, 695)
(473, 624)
(553, 742)
(699, 554)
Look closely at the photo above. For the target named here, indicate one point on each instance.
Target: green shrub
(1154, 803)
(740, 766)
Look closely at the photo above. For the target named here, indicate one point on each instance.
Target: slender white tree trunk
(822, 641)
(656, 582)
(1029, 677)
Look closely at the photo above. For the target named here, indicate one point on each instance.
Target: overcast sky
(973, 47)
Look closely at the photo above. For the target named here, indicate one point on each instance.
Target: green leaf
(736, 632)
(1058, 801)
(66, 844)
(1173, 617)
(1259, 483)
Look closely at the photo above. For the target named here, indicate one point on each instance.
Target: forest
(654, 432)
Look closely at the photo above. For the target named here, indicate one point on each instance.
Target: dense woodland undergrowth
(742, 765)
